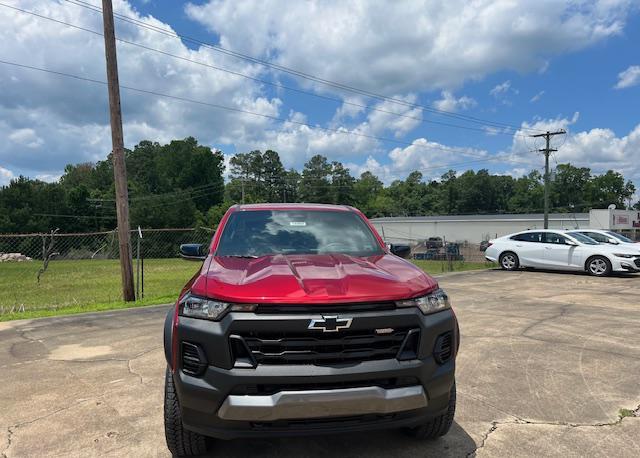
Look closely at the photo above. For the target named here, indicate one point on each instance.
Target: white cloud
(500, 89)
(26, 137)
(412, 45)
(51, 120)
(536, 97)
(432, 159)
(383, 119)
(5, 176)
(48, 177)
(448, 102)
(515, 172)
(599, 148)
(628, 78)
(350, 108)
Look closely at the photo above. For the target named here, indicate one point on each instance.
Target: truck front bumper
(302, 399)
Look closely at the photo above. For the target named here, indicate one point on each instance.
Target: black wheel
(598, 266)
(509, 261)
(440, 425)
(181, 442)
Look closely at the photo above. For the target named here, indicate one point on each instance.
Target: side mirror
(404, 251)
(613, 241)
(570, 242)
(193, 252)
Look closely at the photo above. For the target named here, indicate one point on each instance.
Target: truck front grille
(323, 349)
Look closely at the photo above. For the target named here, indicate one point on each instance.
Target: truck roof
(291, 206)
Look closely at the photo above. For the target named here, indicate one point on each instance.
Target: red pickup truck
(300, 321)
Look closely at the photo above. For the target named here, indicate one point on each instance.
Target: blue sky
(499, 62)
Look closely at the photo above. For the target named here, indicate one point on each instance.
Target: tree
(181, 184)
(447, 201)
(609, 188)
(186, 165)
(273, 174)
(528, 194)
(365, 190)
(341, 184)
(314, 185)
(569, 188)
(409, 196)
(256, 177)
(291, 186)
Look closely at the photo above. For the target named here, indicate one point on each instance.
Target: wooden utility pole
(117, 140)
(547, 151)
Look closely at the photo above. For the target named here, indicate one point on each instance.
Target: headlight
(624, 255)
(431, 303)
(209, 309)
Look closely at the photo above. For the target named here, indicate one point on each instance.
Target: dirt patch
(77, 351)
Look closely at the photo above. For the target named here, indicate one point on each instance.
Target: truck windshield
(267, 232)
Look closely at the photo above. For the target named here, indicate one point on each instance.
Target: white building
(476, 228)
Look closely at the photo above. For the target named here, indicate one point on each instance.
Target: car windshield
(583, 238)
(620, 237)
(267, 232)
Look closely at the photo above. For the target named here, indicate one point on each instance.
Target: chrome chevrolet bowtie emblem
(330, 324)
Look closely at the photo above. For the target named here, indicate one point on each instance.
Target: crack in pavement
(9, 435)
(11, 429)
(522, 421)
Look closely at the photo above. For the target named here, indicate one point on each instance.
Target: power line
(505, 131)
(303, 75)
(239, 110)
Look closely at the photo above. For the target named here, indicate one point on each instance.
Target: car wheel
(599, 266)
(440, 425)
(181, 442)
(509, 261)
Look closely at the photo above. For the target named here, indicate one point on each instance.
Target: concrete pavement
(547, 362)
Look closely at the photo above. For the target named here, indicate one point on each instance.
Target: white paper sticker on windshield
(297, 223)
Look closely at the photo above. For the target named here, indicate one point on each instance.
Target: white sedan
(556, 249)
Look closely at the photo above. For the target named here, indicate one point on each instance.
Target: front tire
(599, 266)
(509, 261)
(180, 441)
(440, 425)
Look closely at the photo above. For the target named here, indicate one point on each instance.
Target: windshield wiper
(241, 256)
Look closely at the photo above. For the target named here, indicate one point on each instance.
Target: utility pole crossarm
(547, 151)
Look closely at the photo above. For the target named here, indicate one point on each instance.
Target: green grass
(84, 286)
(69, 287)
(439, 267)
(623, 413)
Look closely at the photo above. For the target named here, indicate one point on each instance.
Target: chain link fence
(44, 272)
(155, 243)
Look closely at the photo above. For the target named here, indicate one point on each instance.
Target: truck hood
(304, 279)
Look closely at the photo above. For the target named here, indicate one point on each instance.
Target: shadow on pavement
(370, 444)
(578, 273)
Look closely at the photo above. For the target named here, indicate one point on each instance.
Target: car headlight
(624, 255)
(209, 309)
(433, 302)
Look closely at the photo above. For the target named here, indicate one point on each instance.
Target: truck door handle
(547, 248)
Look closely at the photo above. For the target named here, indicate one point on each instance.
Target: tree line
(182, 184)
